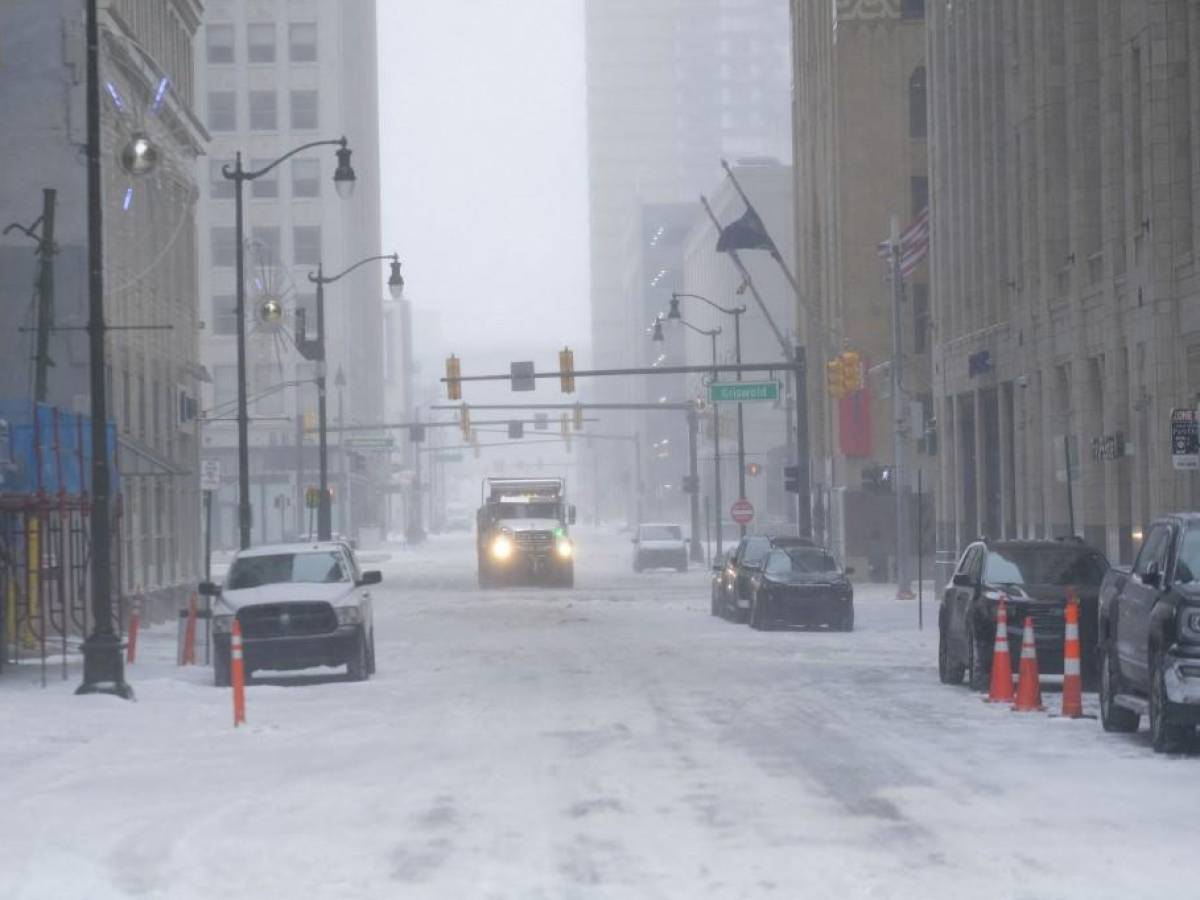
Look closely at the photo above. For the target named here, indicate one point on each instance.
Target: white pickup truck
(299, 606)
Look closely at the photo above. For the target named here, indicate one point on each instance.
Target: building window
(222, 111)
(265, 186)
(306, 245)
(918, 190)
(263, 115)
(265, 241)
(220, 43)
(912, 9)
(219, 187)
(266, 382)
(304, 110)
(302, 42)
(224, 314)
(917, 115)
(224, 388)
(306, 178)
(223, 241)
(260, 43)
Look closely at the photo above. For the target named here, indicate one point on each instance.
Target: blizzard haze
(483, 142)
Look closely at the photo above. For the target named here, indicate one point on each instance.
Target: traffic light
(453, 372)
(310, 421)
(852, 376)
(566, 370)
(565, 424)
(516, 429)
(835, 378)
(579, 417)
(791, 479)
(464, 421)
(416, 434)
(753, 469)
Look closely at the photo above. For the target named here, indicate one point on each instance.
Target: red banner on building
(854, 424)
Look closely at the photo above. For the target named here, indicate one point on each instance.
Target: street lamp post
(736, 312)
(396, 286)
(343, 181)
(712, 335)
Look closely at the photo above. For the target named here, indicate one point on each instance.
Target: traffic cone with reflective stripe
(1072, 690)
(1001, 689)
(188, 657)
(237, 675)
(1029, 689)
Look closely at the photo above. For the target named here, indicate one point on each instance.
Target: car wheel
(371, 654)
(1165, 736)
(358, 666)
(848, 619)
(1112, 717)
(949, 672)
(978, 675)
(221, 666)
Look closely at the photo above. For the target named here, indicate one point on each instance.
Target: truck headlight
(348, 615)
(222, 624)
(565, 550)
(502, 547)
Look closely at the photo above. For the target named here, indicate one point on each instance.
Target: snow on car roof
(274, 549)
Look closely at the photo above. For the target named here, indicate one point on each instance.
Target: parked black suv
(731, 586)
(1150, 635)
(1035, 577)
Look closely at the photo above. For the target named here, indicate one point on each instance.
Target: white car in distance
(299, 606)
(657, 546)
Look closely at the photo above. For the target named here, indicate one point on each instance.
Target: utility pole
(899, 414)
(103, 662)
(45, 316)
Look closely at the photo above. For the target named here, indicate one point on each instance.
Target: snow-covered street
(611, 741)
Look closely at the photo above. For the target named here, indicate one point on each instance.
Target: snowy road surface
(611, 741)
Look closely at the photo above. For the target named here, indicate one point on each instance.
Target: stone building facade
(150, 267)
(1065, 152)
(859, 158)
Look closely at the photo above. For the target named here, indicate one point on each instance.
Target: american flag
(914, 244)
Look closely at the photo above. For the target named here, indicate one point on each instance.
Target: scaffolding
(45, 537)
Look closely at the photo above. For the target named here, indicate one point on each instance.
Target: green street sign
(743, 391)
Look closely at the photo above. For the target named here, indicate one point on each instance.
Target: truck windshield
(282, 568)
(1187, 569)
(1044, 565)
(527, 511)
(661, 533)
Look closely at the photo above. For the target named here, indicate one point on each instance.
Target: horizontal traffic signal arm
(677, 407)
(557, 439)
(385, 426)
(647, 370)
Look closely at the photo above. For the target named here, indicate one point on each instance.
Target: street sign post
(210, 474)
(1185, 439)
(743, 391)
(742, 511)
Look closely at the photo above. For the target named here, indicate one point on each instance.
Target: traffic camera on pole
(453, 373)
(566, 370)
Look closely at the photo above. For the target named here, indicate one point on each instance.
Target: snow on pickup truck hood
(337, 593)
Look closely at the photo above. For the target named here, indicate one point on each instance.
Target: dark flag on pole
(747, 233)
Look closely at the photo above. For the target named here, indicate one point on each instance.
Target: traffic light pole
(900, 479)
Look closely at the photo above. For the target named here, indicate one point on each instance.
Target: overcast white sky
(483, 133)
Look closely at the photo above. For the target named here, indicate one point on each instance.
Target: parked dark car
(1150, 636)
(732, 585)
(1035, 577)
(801, 586)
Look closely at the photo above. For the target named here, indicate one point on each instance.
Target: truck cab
(523, 532)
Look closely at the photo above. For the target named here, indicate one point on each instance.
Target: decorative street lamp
(736, 312)
(343, 181)
(396, 288)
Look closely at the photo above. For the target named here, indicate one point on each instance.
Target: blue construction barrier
(44, 449)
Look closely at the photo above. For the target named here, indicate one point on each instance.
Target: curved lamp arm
(733, 311)
(318, 278)
(234, 173)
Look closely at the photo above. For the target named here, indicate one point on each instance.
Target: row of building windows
(265, 246)
(304, 109)
(306, 179)
(261, 43)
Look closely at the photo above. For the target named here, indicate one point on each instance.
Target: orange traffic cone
(1001, 689)
(1029, 689)
(237, 675)
(189, 635)
(1072, 689)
